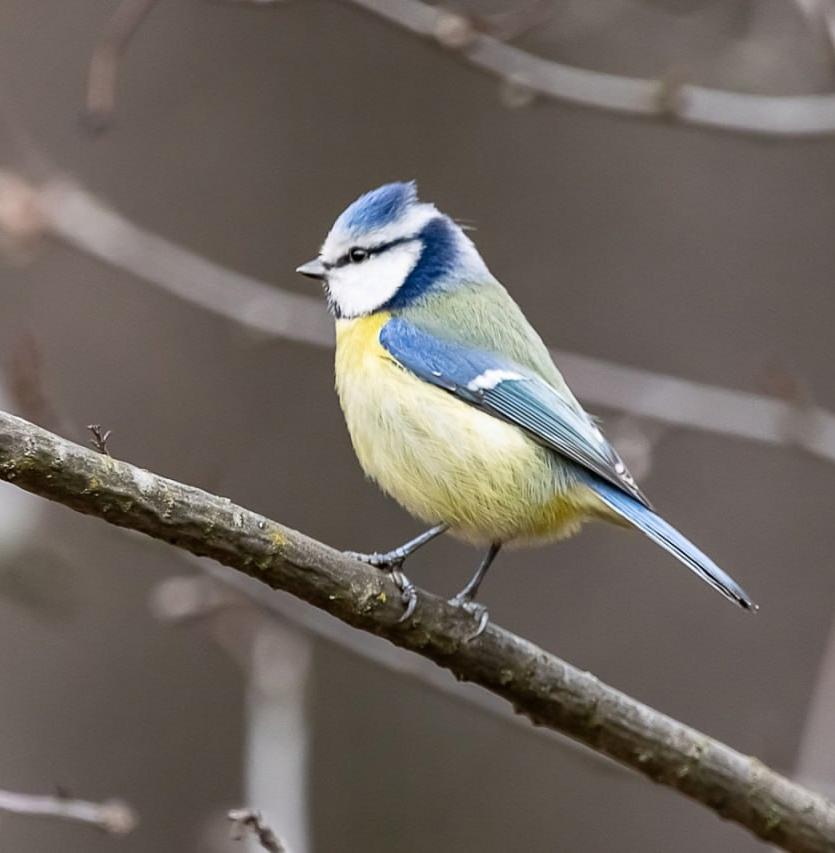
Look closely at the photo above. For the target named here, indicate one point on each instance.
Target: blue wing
(510, 392)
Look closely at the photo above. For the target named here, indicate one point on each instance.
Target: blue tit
(453, 403)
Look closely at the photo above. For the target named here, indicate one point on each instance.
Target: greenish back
(483, 315)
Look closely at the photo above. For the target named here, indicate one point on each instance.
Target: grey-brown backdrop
(241, 132)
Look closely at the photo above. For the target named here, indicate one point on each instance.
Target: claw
(391, 563)
(478, 611)
(408, 593)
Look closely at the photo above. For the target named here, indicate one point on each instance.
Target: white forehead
(343, 237)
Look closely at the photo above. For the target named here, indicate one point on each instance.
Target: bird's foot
(391, 562)
(479, 612)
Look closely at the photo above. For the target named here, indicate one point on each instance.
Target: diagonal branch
(544, 688)
(112, 816)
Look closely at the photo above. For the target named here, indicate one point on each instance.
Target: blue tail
(669, 538)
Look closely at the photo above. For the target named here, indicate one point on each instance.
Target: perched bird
(453, 403)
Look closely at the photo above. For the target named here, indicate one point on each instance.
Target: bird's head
(387, 250)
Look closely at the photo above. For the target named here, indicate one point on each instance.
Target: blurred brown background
(241, 132)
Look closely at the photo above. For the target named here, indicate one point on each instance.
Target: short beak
(313, 269)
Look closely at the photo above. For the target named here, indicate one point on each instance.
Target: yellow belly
(444, 460)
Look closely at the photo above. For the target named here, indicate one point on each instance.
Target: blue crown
(379, 207)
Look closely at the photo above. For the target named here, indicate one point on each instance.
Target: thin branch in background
(248, 821)
(788, 115)
(113, 816)
(481, 42)
(104, 64)
(549, 691)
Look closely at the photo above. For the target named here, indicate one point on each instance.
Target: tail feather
(670, 539)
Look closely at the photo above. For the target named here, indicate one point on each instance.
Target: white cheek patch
(357, 289)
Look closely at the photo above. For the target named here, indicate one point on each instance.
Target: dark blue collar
(439, 252)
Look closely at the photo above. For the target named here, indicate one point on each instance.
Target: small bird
(453, 403)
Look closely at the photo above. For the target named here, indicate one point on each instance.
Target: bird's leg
(466, 598)
(394, 559)
(391, 561)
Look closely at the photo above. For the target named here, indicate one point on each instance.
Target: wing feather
(510, 392)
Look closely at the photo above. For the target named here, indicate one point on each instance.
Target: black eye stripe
(370, 252)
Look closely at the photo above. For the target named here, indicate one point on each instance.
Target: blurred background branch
(523, 75)
(248, 821)
(113, 816)
(655, 243)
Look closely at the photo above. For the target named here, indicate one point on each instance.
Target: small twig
(113, 816)
(99, 439)
(104, 65)
(248, 820)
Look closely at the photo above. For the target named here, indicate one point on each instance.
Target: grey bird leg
(391, 561)
(465, 598)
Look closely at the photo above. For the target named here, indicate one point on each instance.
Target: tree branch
(113, 816)
(544, 688)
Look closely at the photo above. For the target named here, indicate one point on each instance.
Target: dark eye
(357, 255)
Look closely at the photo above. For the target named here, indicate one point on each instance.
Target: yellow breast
(444, 460)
